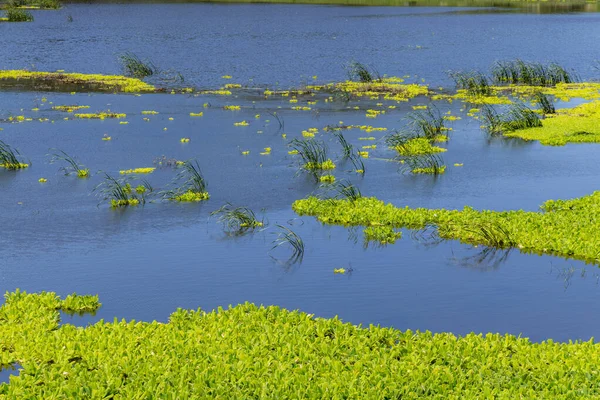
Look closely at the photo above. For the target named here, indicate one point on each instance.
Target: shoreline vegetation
(250, 351)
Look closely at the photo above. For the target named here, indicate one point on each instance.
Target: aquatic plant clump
(101, 115)
(10, 158)
(408, 145)
(133, 66)
(574, 125)
(313, 154)
(190, 184)
(474, 83)
(425, 164)
(17, 15)
(137, 171)
(73, 167)
(120, 192)
(71, 82)
(250, 351)
(237, 220)
(530, 73)
(566, 228)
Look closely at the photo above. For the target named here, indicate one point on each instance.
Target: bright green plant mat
(250, 352)
(566, 228)
(580, 124)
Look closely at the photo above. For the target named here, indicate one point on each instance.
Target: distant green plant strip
(567, 228)
(267, 352)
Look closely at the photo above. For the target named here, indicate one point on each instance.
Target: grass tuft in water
(425, 164)
(519, 116)
(313, 154)
(286, 236)
(134, 67)
(428, 123)
(10, 158)
(346, 190)
(359, 72)
(346, 147)
(120, 193)
(191, 185)
(474, 82)
(545, 102)
(237, 220)
(73, 166)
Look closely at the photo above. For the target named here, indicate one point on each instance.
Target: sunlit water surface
(144, 262)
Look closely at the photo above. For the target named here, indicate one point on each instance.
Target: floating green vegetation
(134, 67)
(327, 179)
(69, 108)
(74, 303)
(120, 193)
(249, 351)
(565, 228)
(530, 73)
(10, 158)
(148, 170)
(14, 14)
(101, 115)
(237, 220)
(191, 185)
(574, 125)
(71, 82)
(407, 145)
(382, 235)
(391, 88)
(73, 167)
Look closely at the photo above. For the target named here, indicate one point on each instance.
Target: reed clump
(519, 72)
(10, 158)
(135, 67)
(237, 220)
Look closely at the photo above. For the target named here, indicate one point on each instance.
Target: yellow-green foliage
(192, 196)
(102, 115)
(325, 165)
(429, 170)
(14, 165)
(137, 171)
(327, 178)
(83, 173)
(580, 124)
(249, 352)
(418, 146)
(565, 228)
(86, 82)
(69, 108)
(390, 88)
(381, 234)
